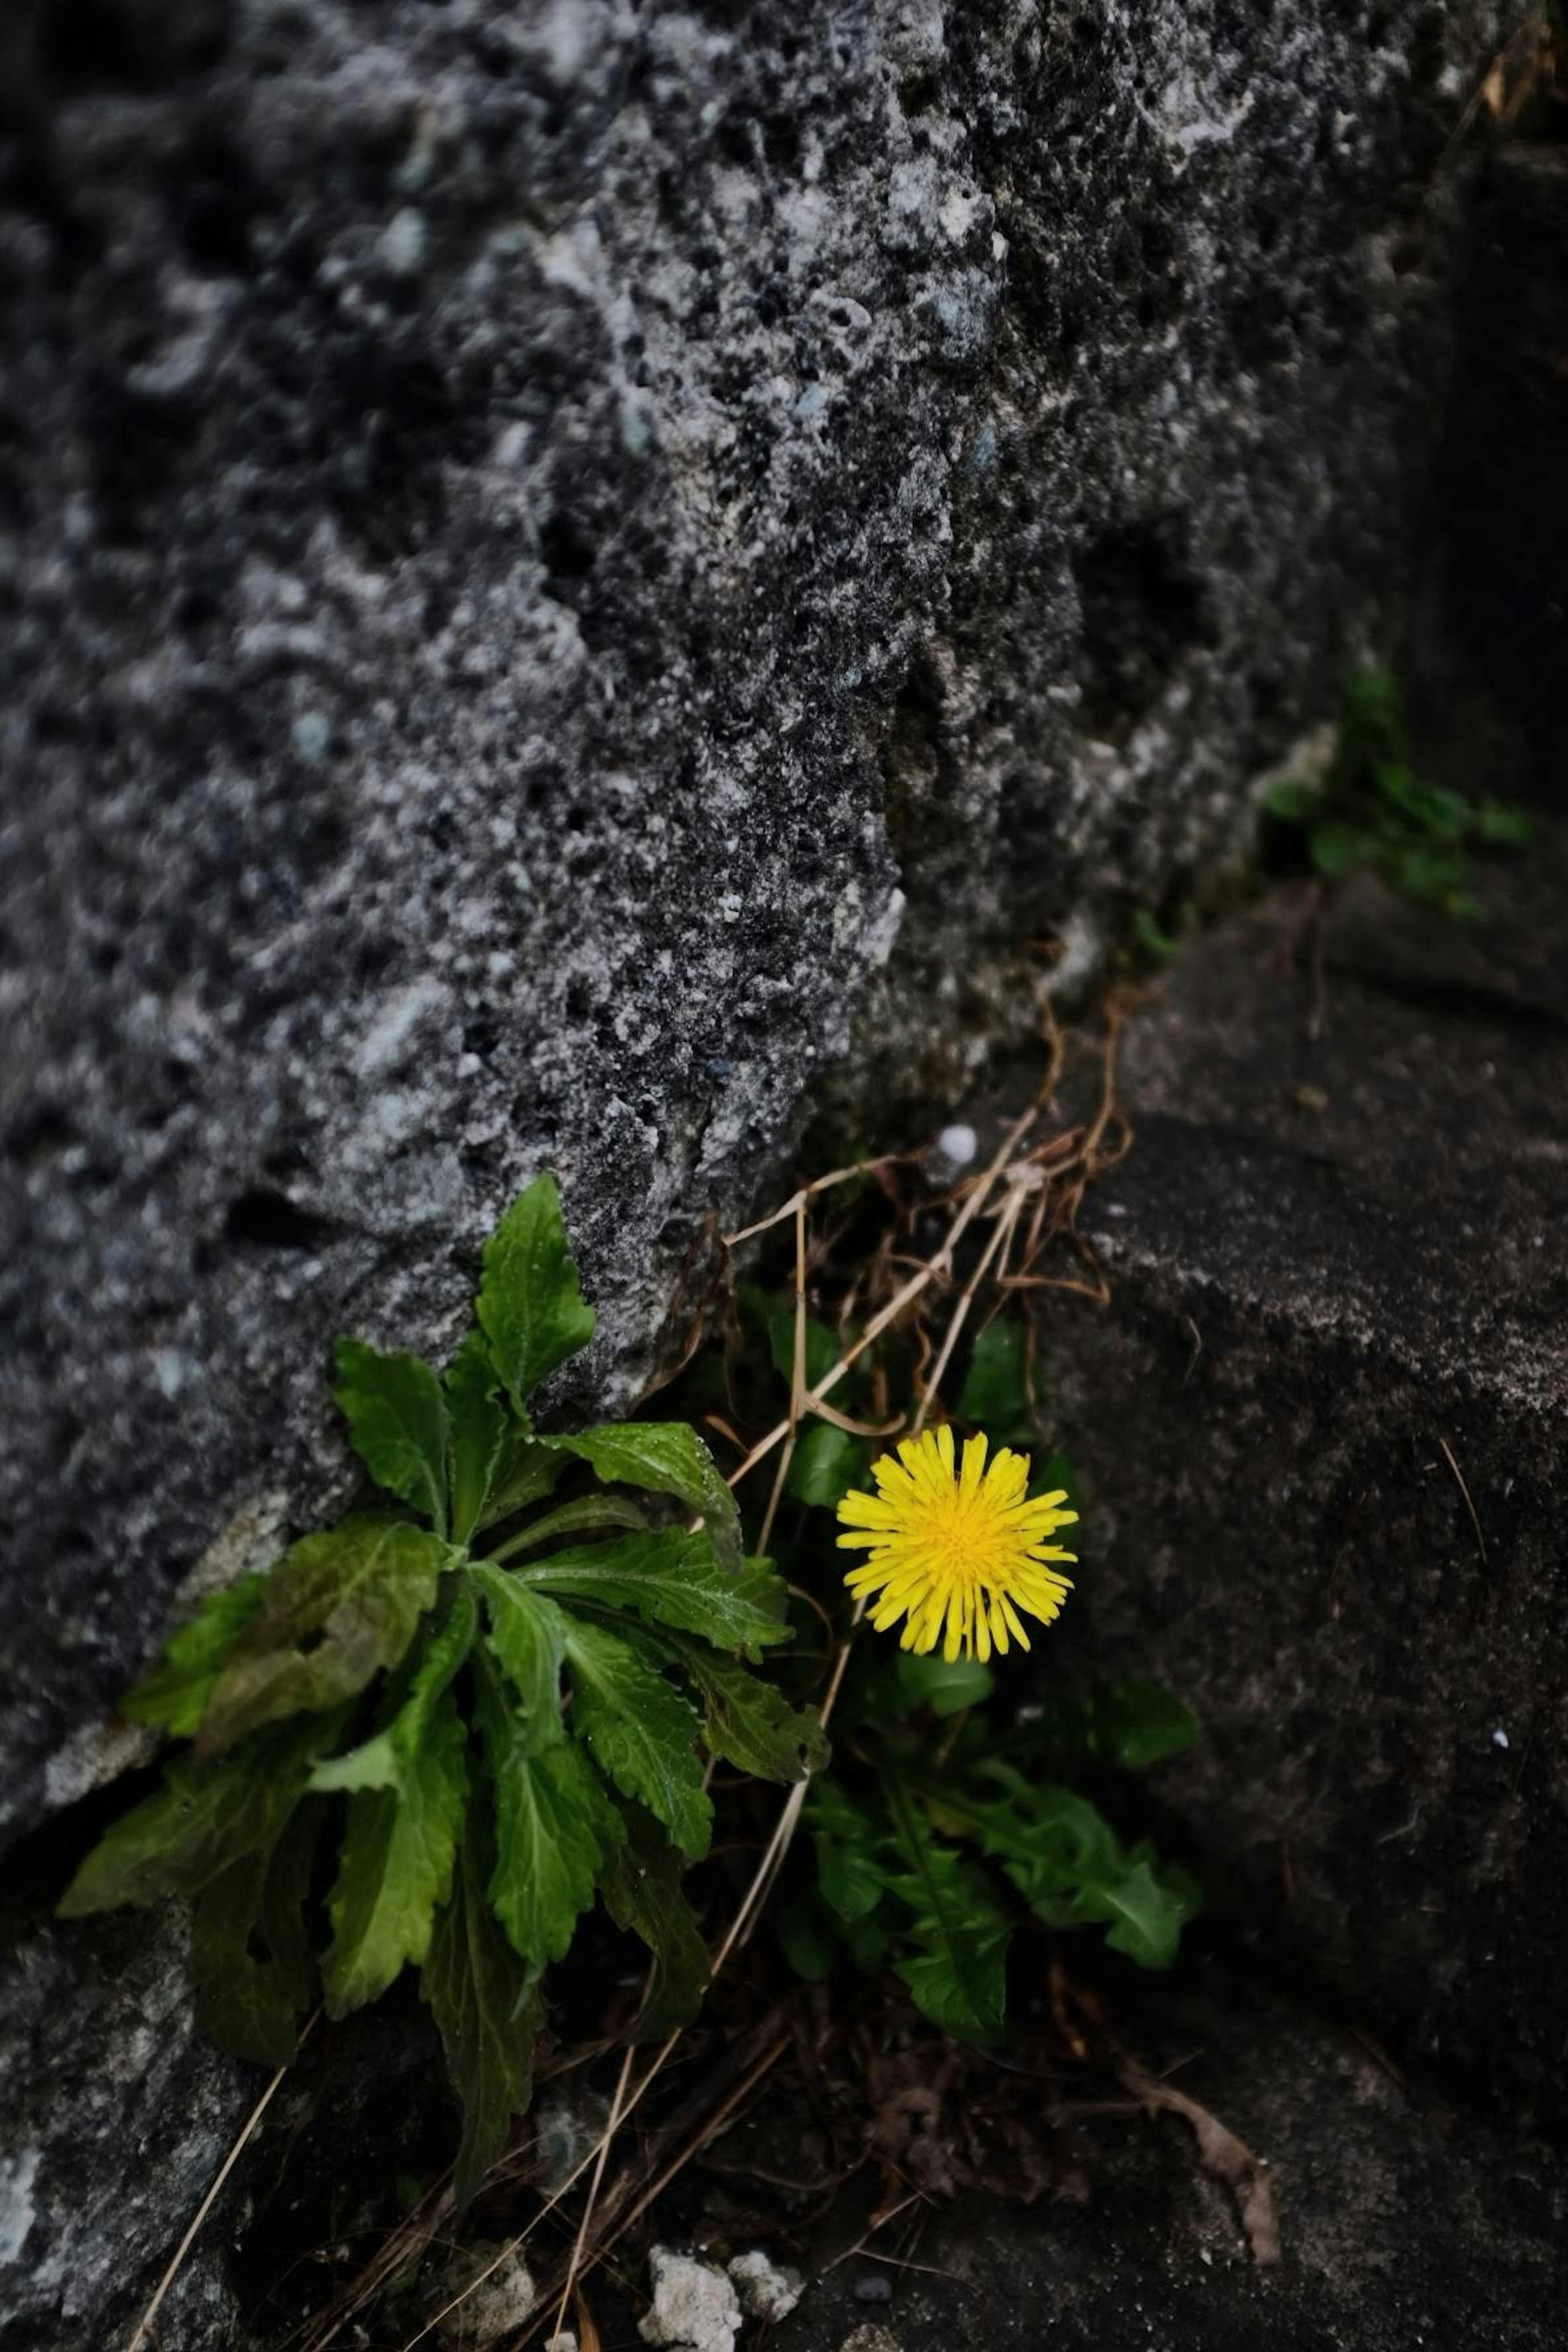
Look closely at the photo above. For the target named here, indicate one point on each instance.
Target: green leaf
(251, 1954)
(1138, 1723)
(823, 1347)
(664, 1457)
(530, 1306)
(477, 1422)
(1502, 825)
(526, 1469)
(826, 1462)
(948, 1934)
(851, 1872)
(527, 1634)
(671, 1578)
(643, 1734)
(204, 1817)
(396, 1867)
(1337, 846)
(174, 1691)
(555, 1831)
(958, 1975)
(1292, 802)
(750, 1723)
(947, 1689)
(388, 1761)
(642, 1894)
(1073, 1871)
(487, 2006)
(996, 1393)
(398, 1420)
(1156, 942)
(593, 1511)
(1056, 1475)
(337, 1608)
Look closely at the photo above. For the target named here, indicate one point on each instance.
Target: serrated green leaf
(851, 1872)
(478, 1423)
(826, 1462)
(487, 2006)
(671, 1578)
(663, 1458)
(899, 1892)
(642, 1733)
(750, 1723)
(595, 1511)
(337, 1608)
(958, 1974)
(530, 1306)
(251, 1954)
(1072, 1870)
(397, 1421)
(1138, 1723)
(556, 1829)
(387, 1760)
(996, 1393)
(174, 1693)
(527, 1634)
(204, 1817)
(642, 1894)
(396, 1867)
(526, 1469)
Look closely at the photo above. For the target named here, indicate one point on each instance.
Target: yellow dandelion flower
(960, 1547)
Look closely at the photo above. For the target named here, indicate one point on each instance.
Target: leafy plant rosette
(491, 1694)
(1372, 812)
(932, 1840)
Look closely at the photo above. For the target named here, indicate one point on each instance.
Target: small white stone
(312, 734)
(958, 1144)
(401, 246)
(1500, 1739)
(767, 2290)
(694, 2304)
(496, 2307)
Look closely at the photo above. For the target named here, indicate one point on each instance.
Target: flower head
(961, 1546)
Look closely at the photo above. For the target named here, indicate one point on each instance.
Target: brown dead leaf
(1222, 2156)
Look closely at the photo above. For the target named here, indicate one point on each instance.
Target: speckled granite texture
(558, 565)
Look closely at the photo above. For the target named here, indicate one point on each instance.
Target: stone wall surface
(1322, 1430)
(558, 565)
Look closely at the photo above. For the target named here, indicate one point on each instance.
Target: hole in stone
(567, 552)
(260, 1218)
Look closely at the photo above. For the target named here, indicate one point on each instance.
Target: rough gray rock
(1403, 2222)
(1339, 1288)
(552, 559)
(117, 2118)
(1490, 647)
(541, 546)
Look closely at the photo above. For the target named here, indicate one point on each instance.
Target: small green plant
(1372, 812)
(392, 1692)
(928, 1847)
(943, 1823)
